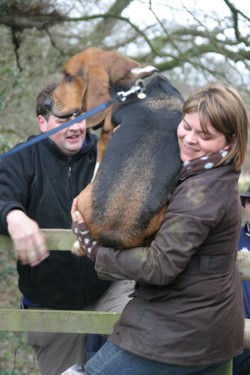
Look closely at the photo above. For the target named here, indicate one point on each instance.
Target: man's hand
(30, 243)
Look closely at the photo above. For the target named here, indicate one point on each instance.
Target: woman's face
(194, 143)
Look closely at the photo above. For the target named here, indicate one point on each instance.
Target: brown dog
(125, 204)
(89, 79)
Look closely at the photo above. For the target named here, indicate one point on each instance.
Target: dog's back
(139, 169)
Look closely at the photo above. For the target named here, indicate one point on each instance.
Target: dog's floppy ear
(97, 92)
(103, 70)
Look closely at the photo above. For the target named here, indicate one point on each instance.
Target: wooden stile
(46, 320)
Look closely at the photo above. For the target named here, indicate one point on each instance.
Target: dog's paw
(78, 249)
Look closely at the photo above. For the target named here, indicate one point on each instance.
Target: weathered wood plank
(62, 239)
(74, 321)
(31, 320)
(58, 239)
(227, 369)
(16, 320)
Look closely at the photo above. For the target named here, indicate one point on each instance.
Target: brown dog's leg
(105, 135)
(84, 206)
(84, 202)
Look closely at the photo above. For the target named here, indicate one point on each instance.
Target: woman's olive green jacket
(187, 307)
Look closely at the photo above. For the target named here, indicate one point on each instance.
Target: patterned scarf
(198, 165)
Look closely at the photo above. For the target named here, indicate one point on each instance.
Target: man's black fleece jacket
(41, 181)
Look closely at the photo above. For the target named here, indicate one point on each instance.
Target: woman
(186, 314)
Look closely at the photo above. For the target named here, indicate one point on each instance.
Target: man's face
(70, 139)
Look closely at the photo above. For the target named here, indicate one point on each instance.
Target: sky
(139, 8)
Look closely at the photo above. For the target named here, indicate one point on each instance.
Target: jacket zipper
(72, 189)
(69, 170)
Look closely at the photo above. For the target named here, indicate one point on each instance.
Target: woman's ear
(42, 123)
(229, 145)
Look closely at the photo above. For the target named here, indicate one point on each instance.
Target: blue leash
(121, 96)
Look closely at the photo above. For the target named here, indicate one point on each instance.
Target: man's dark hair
(43, 102)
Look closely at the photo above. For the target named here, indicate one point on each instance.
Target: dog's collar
(138, 87)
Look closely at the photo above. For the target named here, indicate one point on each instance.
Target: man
(241, 364)
(37, 187)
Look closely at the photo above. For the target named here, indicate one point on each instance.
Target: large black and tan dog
(125, 203)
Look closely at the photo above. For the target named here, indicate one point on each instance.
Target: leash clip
(138, 89)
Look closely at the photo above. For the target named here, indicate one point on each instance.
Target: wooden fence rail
(41, 320)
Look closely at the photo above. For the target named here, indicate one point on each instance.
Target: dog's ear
(124, 71)
(120, 68)
(108, 70)
(97, 92)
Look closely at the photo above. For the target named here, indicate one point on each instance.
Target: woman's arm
(185, 227)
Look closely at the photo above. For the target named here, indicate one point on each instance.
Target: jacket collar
(202, 164)
(87, 145)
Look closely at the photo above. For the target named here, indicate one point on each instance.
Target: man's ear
(42, 123)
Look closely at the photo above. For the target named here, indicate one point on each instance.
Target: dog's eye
(80, 73)
(68, 77)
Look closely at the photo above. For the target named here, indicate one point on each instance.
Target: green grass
(16, 357)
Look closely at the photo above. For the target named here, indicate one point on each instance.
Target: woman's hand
(88, 245)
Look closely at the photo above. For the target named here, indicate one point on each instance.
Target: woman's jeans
(111, 360)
